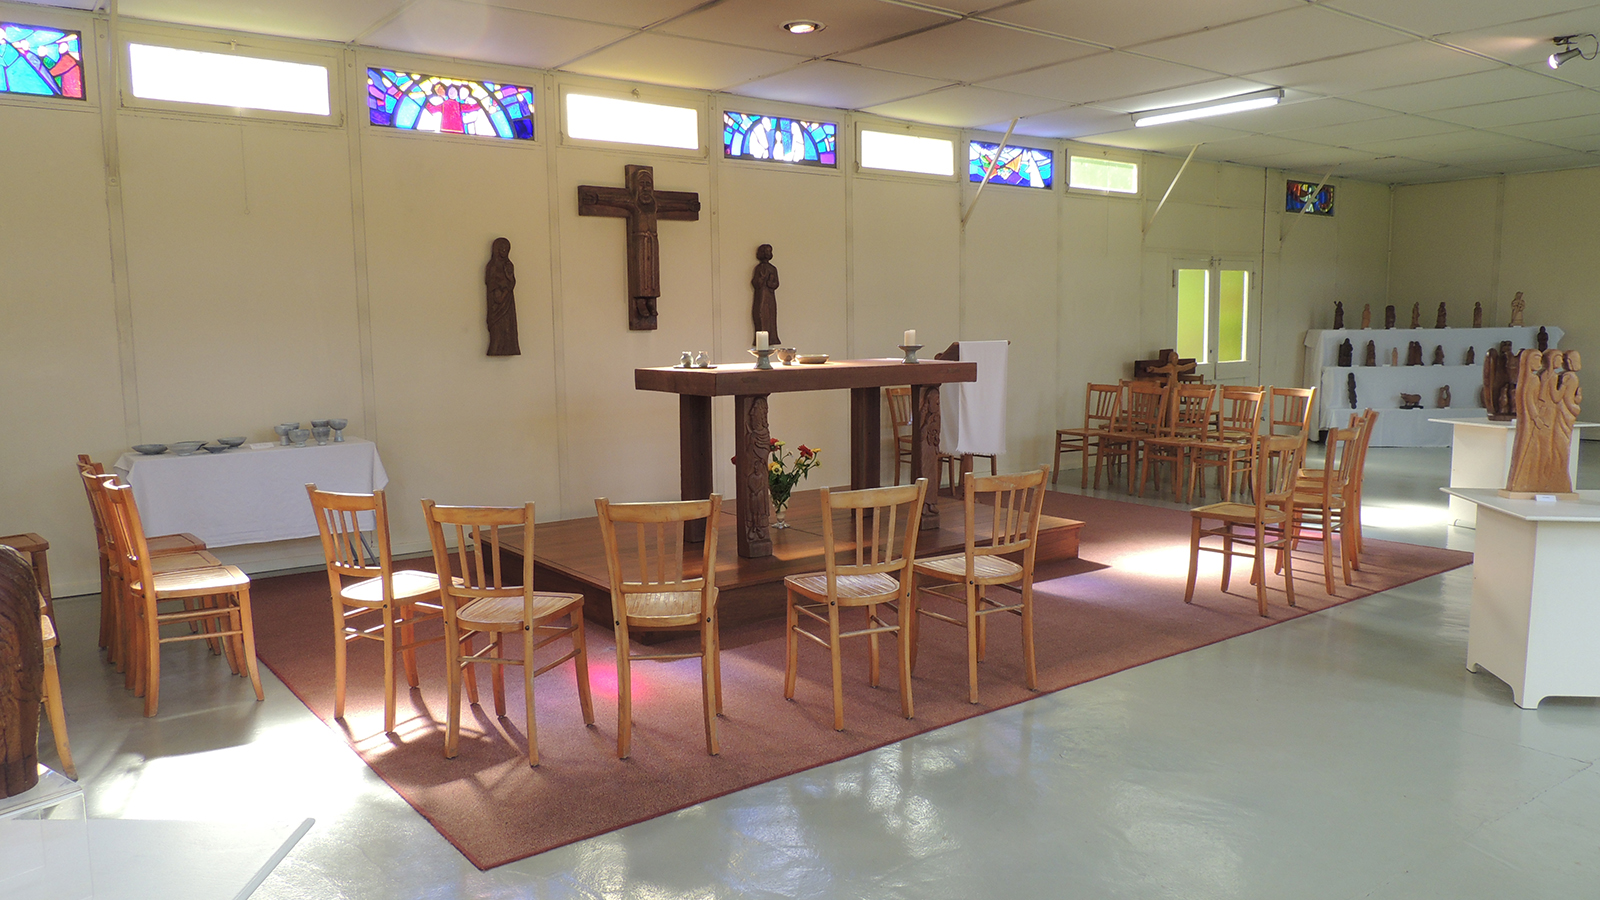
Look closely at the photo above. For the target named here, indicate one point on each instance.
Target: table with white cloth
(1480, 457)
(247, 496)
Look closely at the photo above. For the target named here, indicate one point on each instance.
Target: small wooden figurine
(500, 279)
(1472, 357)
(1416, 315)
(1346, 352)
(1517, 305)
(1477, 315)
(1338, 315)
(1371, 357)
(1414, 353)
(1410, 401)
(1438, 355)
(1543, 339)
(1444, 398)
(1388, 316)
(1350, 389)
(1394, 356)
(1439, 320)
(1366, 316)
(1546, 399)
(1499, 383)
(764, 306)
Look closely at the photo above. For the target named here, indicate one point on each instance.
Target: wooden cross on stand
(1171, 367)
(641, 204)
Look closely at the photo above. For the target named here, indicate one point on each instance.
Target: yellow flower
(774, 467)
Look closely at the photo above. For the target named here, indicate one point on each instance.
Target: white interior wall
(280, 271)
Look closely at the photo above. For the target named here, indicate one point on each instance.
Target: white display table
(1535, 616)
(246, 496)
(1480, 457)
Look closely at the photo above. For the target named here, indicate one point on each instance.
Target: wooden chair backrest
(1241, 413)
(339, 519)
(900, 410)
(1017, 501)
(1277, 465)
(1291, 411)
(126, 532)
(1343, 451)
(655, 563)
(1101, 405)
(90, 471)
(1190, 415)
(475, 531)
(877, 515)
(1369, 421)
(1146, 406)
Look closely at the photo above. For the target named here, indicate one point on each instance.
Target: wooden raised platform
(568, 556)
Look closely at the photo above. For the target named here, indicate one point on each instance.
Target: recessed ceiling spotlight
(1568, 51)
(803, 27)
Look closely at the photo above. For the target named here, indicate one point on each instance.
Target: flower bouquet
(784, 471)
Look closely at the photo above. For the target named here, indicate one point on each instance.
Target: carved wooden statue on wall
(1414, 353)
(1547, 399)
(1416, 315)
(21, 674)
(642, 205)
(1477, 315)
(1346, 352)
(1366, 316)
(1388, 316)
(500, 280)
(1410, 401)
(1517, 305)
(1371, 357)
(764, 305)
(1439, 321)
(1338, 314)
(1499, 383)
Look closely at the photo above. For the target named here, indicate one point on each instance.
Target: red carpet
(495, 809)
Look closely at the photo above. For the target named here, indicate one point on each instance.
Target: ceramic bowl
(150, 449)
(811, 359)
(231, 441)
(299, 436)
(786, 355)
(216, 448)
(338, 424)
(184, 448)
(319, 423)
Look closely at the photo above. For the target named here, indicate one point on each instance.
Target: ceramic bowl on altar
(811, 359)
(299, 436)
(184, 448)
(786, 355)
(231, 441)
(150, 449)
(216, 448)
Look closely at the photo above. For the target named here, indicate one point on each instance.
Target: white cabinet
(1380, 386)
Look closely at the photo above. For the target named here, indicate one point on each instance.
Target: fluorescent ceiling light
(1223, 106)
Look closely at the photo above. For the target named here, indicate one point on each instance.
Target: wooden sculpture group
(1545, 396)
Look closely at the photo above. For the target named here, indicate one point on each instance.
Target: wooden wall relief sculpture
(21, 674)
(1440, 321)
(1338, 314)
(500, 280)
(754, 439)
(927, 423)
(764, 305)
(642, 205)
(1499, 382)
(1517, 305)
(1371, 357)
(1366, 316)
(1547, 398)
(1346, 352)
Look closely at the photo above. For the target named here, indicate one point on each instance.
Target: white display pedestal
(1480, 457)
(1535, 624)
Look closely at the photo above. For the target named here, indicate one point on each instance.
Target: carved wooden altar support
(750, 387)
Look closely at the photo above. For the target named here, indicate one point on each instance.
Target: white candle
(911, 337)
(761, 341)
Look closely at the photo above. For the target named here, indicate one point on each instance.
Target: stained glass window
(747, 136)
(449, 105)
(1019, 166)
(44, 61)
(1298, 191)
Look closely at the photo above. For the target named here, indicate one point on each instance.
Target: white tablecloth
(246, 496)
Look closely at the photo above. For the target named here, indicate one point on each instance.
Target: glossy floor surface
(1344, 754)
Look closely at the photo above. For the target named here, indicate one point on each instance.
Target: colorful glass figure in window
(47, 62)
(449, 105)
(777, 139)
(1298, 191)
(1019, 166)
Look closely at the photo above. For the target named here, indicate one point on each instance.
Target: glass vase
(778, 511)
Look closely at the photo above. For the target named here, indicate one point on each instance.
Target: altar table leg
(925, 447)
(694, 457)
(865, 439)
(751, 440)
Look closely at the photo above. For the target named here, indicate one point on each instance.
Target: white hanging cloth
(973, 413)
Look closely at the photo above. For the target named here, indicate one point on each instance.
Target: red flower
(734, 460)
(806, 452)
(773, 442)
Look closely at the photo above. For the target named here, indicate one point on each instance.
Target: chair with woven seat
(1270, 512)
(217, 597)
(1231, 448)
(653, 590)
(1320, 498)
(362, 580)
(1188, 421)
(880, 575)
(1143, 415)
(1015, 502)
(479, 602)
(1101, 403)
(1289, 412)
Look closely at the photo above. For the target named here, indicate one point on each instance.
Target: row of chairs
(657, 585)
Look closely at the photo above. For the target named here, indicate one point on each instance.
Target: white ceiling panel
(632, 13)
(1129, 22)
(1075, 121)
(965, 107)
(1385, 67)
(1257, 145)
(968, 51)
(471, 31)
(1550, 163)
(1430, 17)
(1372, 132)
(839, 85)
(1554, 131)
(1305, 114)
(848, 24)
(1274, 41)
(1320, 161)
(1564, 105)
(1106, 76)
(1462, 90)
(1162, 138)
(1215, 89)
(681, 62)
(1434, 145)
(310, 19)
(1587, 143)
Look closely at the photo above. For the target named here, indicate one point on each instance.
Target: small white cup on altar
(686, 360)
(702, 359)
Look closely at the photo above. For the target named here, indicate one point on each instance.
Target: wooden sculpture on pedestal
(1444, 397)
(1517, 305)
(500, 280)
(1394, 356)
(642, 205)
(1416, 315)
(1440, 320)
(764, 305)
(21, 674)
(1499, 381)
(1350, 389)
(1346, 352)
(1410, 401)
(1542, 340)
(1438, 355)
(1472, 357)
(1414, 353)
(1388, 316)
(1371, 357)
(1366, 316)
(1338, 314)
(1477, 315)
(1546, 398)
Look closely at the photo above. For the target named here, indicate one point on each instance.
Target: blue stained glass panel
(1019, 166)
(777, 139)
(414, 102)
(47, 62)
(1295, 198)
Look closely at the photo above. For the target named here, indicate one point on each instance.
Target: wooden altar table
(750, 387)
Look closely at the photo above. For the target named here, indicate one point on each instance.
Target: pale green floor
(1345, 754)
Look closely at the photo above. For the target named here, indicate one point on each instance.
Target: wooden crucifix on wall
(642, 205)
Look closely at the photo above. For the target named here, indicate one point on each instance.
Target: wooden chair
(223, 593)
(1231, 449)
(900, 419)
(651, 590)
(880, 575)
(1353, 502)
(1271, 511)
(1320, 499)
(401, 598)
(1143, 416)
(479, 602)
(56, 713)
(1188, 420)
(1016, 502)
(1290, 413)
(1101, 403)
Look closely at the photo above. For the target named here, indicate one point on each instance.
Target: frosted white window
(222, 79)
(592, 118)
(907, 153)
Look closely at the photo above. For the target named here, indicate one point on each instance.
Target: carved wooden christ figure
(642, 205)
(500, 280)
